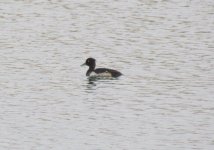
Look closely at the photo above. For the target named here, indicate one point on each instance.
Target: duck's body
(99, 72)
(104, 72)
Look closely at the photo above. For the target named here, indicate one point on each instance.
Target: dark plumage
(100, 72)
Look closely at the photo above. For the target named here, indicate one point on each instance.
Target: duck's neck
(91, 68)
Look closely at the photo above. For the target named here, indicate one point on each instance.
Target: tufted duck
(99, 72)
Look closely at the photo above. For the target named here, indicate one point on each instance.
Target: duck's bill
(83, 64)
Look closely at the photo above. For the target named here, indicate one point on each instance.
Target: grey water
(164, 100)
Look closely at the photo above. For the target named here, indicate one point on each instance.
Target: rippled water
(164, 101)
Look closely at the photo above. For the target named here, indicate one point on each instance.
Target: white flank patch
(105, 74)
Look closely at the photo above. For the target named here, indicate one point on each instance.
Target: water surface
(164, 101)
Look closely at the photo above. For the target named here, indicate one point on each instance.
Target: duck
(99, 72)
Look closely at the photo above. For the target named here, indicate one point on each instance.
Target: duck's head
(91, 62)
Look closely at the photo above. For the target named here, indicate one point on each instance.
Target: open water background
(164, 101)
